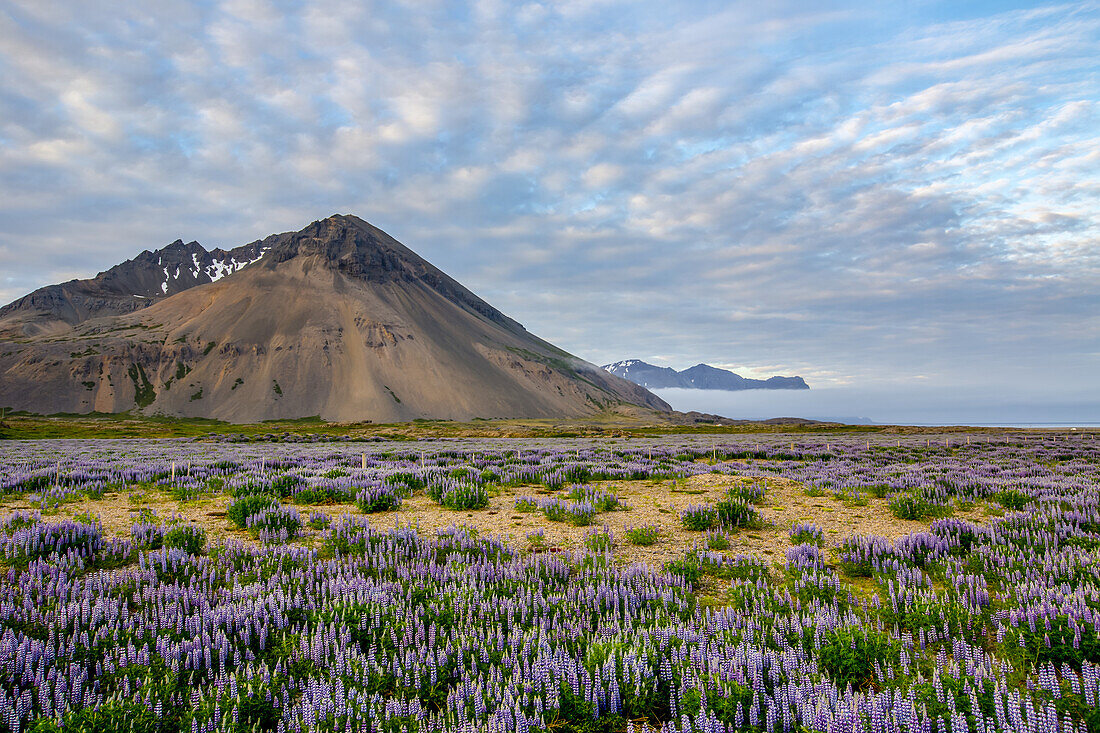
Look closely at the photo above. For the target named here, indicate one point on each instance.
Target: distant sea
(922, 405)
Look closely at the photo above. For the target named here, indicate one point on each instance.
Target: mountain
(135, 284)
(338, 320)
(647, 375)
(700, 376)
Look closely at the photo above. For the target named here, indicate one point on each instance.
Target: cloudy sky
(853, 192)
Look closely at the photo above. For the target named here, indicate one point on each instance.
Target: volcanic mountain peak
(362, 251)
(338, 320)
(352, 246)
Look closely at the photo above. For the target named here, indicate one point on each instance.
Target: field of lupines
(968, 626)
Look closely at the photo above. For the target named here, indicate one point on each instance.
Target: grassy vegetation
(22, 425)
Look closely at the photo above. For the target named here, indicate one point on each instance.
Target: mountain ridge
(700, 376)
(129, 286)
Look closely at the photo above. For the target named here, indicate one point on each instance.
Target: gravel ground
(651, 503)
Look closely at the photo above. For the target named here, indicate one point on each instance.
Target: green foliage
(243, 507)
(848, 655)
(275, 520)
(255, 713)
(807, 537)
(144, 394)
(716, 539)
(371, 502)
(598, 541)
(1075, 705)
(736, 513)
(914, 505)
(319, 520)
(1012, 499)
(526, 504)
(1055, 645)
(462, 496)
(723, 700)
(699, 517)
(186, 492)
(879, 491)
(964, 691)
(110, 717)
(575, 715)
(645, 536)
(284, 485)
(601, 501)
(748, 491)
(190, 538)
(688, 566)
(322, 495)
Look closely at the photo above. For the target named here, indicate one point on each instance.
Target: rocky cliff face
(337, 320)
(700, 376)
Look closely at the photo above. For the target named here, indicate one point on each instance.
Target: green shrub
(190, 538)
(1056, 645)
(1012, 499)
(750, 493)
(284, 485)
(716, 539)
(688, 566)
(270, 522)
(460, 496)
(576, 715)
(526, 504)
(109, 717)
(725, 702)
(879, 491)
(915, 505)
(646, 535)
(699, 517)
(848, 655)
(319, 495)
(382, 498)
(243, 507)
(735, 513)
(536, 540)
(599, 541)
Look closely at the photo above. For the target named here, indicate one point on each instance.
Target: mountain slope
(338, 320)
(700, 376)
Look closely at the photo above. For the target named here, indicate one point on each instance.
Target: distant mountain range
(700, 376)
